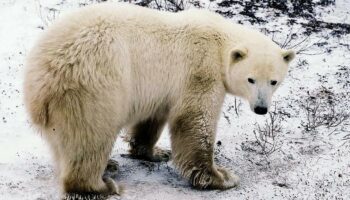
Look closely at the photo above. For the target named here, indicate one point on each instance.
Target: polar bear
(110, 66)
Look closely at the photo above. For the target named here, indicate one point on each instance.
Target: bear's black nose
(260, 110)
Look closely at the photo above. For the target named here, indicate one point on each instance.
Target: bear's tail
(37, 102)
(41, 89)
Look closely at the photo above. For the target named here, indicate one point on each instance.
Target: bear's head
(255, 71)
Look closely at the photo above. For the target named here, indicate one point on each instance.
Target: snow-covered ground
(305, 164)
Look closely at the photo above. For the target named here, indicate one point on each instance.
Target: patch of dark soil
(249, 10)
(343, 76)
(326, 2)
(338, 29)
(311, 150)
(280, 184)
(294, 9)
(227, 14)
(229, 3)
(144, 3)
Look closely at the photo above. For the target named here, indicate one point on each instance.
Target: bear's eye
(250, 80)
(273, 82)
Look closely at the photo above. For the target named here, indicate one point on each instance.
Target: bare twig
(290, 41)
(266, 135)
(323, 109)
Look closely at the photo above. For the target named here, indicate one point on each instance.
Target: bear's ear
(237, 54)
(288, 55)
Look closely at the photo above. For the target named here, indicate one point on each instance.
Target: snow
(309, 165)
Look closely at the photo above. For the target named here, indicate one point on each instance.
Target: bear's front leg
(193, 137)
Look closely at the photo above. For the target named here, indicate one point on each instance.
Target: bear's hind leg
(86, 152)
(144, 136)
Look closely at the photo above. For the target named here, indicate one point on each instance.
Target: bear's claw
(214, 179)
(160, 155)
(230, 179)
(112, 169)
